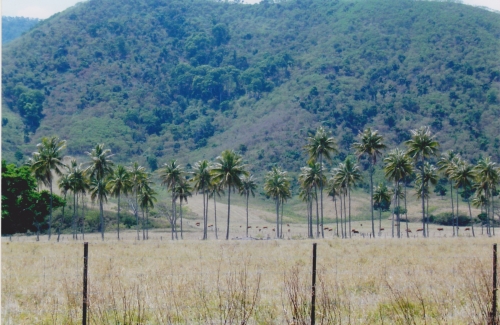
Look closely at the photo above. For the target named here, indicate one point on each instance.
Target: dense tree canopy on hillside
(173, 77)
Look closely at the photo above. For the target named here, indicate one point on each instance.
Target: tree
(397, 166)
(228, 171)
(334, 191)
(370, 144)
(99, 168)
(79, 185)
(137, 175)
(321, 145)
(183, 191)
(422, 185)
(147, 198)
(422, 145)
(447, 165)
(46, 160)
(487, 178)
(382, 200)
(348, 175)
(311, 176)
(277, 186)
(119, 183)
(64, 184)
(248, 187)
(463, 176)
(171, 174)
(214, 191)
(201, 182)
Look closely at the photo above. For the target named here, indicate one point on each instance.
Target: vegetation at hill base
(187, 79)
(13, 27)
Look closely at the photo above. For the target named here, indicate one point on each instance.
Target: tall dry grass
(360, 281)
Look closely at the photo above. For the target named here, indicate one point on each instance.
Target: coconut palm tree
(334, 191)
(447, 164)
(397, 166)
(171, 174)
(147, 198)
(348, 175)
(320, 146)
(312, 176)
(422, 145)
(422, 185)
(183, 191)
(137, 176)
(248, 187)
(98, 170)
(201, 182)
(46, 160)
(79, 186)
(277, 186)
(64, 184)
(306, 195)
(370, 144)
(382, 200)
(228, 171)
(119, 183)
(214, 191)
(463, 176)
(487, 178)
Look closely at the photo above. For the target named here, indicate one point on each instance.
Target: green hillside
(13, 27)
(157, 79)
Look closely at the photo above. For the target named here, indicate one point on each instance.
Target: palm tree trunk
(50, 217)
(398, 221)
(215, 216)
(118, 218)
(228, 210)
(143, 225)
(341, 214)
(423, 203)
(394, 207)
(345, 216)
(349, 191)
(136, 211)
(336, 215)
(62, 220)
(248, 194)
(427, 217)
(102, 217)
(73, 226)
(452, 208)
(277, 218)
(406, 215)
(492, 212)
(470, 216)
(317, 211)
(310, 217)
(147, 222)
(204, 217)
(180, 208)
(458, 213)
(371, 197)
(281, 230)
(174, 212)
(321, 193)
(379, 220)
(83, 219)
(76, 218)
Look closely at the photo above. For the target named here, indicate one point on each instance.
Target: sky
(46, 8)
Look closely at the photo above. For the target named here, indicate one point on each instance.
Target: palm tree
(79, 185)
(228, 171)
(147, 198)
(183, 191)
(334, 192)
(99, 191)
(382, 200)
(214, 191)
(64, 184)
(46, 160)
(305, 194)
(137, 175)
(421, 145)
(201, 182)
(429, 176)
(321, 145)
(171, 174)
(312, 176)
(397, 166)
(370, 144)
(248, 187)
(347, 175)
(277, 186)
(98, 170)
(118, 184)
(447, 165)
(463, 176)
(487, 178)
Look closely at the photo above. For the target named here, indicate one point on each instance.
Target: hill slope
(13, 27)
(157, 79)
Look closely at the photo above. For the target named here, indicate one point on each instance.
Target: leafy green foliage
(13, 27)
(195, 78)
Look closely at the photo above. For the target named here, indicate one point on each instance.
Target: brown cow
(466, 229)
(440, 229)
(381, 229)
(355, 231)
(408, 230)
(421, 229)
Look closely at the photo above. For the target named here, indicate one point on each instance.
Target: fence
(162, 282)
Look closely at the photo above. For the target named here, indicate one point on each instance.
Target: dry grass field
(159, 281)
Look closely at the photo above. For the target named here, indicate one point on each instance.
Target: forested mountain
(157, 79)
(13, 27)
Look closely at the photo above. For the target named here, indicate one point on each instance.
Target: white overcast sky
(46, 8)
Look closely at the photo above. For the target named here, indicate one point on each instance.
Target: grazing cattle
(440, 229)
(287, 225)
(249, 227)
(421, 229)
(466, 229)
(330, 229)
(197, 223)
(381, 229)
(326, 228)
(264, 227)
(211, 225)
(260, 229)
(355, 231)
(274, 230)
(408, 230)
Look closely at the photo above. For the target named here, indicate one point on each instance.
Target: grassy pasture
(360, 281)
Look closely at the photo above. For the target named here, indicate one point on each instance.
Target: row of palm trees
(100, 178)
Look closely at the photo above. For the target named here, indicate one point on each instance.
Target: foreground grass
(360, 281)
